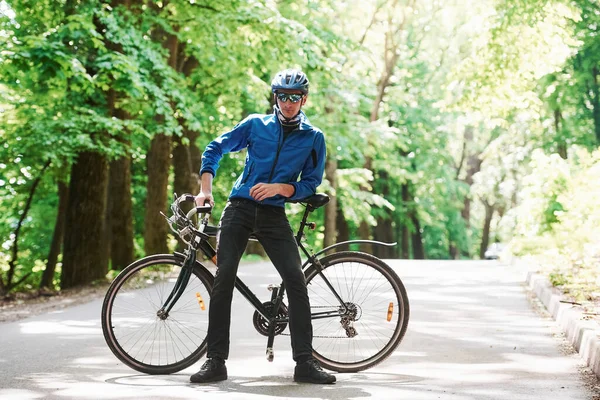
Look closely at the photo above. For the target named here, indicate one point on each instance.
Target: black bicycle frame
(180, 285)
(246, 292)
(261, 309)
(186, 272)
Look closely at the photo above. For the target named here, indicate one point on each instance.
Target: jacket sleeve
(312, 172)
(234, 140)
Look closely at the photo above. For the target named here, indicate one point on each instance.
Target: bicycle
(155, 312)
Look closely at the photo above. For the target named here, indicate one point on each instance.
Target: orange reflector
(214, 260)
(390, 311)
(200, 301)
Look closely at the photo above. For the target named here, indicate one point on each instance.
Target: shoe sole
(308, 380)
(217, 378)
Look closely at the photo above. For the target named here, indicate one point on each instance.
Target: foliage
(558, 219)
(481, 103)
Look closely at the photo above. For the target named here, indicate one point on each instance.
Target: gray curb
(583, 334)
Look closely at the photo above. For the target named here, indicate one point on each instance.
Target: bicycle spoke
(141, 337)
(361, 335)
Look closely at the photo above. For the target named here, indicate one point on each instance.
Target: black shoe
(311, 372)
(212, 370)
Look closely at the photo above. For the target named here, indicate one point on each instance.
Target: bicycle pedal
(270, 354)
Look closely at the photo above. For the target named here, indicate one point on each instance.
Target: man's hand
(202, 198)
(205, 194)
(262, 191)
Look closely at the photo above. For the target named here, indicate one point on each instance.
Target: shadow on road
(348, 385)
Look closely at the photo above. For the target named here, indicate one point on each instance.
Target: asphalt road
(473, 335)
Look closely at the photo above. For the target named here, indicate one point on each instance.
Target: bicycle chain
(321, 337)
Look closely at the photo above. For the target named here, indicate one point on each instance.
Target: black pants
(270, 225)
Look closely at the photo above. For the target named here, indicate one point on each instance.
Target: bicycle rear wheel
(137, 335)
(375, 316)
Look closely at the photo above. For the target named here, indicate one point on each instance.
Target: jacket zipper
(249, 172)
(282, 138)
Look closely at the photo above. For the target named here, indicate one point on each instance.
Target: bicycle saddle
(316, 200)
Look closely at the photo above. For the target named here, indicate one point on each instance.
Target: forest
(450, 125)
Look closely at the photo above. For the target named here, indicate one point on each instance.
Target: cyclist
(285, 160)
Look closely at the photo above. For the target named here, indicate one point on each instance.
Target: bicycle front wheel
(145, 339)
(370, 306)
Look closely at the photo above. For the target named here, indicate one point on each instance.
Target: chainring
(261, 324)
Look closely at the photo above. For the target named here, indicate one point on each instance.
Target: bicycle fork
(179, 287)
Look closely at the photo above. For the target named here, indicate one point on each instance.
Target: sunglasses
(294, 98)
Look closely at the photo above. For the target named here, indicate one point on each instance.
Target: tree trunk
(196, 159)
(330, 235)
(560, 140)
(120, 214)
(364, 232)
(343, 231)
(185, 180)
(417, 239)
(384, 231)
(182, 168)
(155, 227)
(473, 166)
(83, 254)
(85, 248)
(187, 158)
(485, 238)
(453, 251)
(596, 102)
(158, 162)
(364, 229)
(405, 240)
(57, 237)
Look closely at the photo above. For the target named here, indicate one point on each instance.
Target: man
(282, 147)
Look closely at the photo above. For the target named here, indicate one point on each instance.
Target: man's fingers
(256, 189)
(202, 199)
(258, 194)
(262, 191)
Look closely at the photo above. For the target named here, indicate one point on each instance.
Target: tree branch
(15, 250)
(364, 35)
(9, 288)
(462, 159)
(205, 7)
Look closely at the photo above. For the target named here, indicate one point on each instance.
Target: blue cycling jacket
(271, 158)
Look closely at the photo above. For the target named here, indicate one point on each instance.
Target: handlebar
(206, 209)
(182, 224)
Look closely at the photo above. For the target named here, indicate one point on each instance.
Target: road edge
(582, 334)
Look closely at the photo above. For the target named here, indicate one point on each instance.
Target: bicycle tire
(381, 303)
(134, 332)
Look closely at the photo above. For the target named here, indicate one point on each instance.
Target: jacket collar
(305, 124)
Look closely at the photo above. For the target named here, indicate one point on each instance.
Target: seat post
(302, 224)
